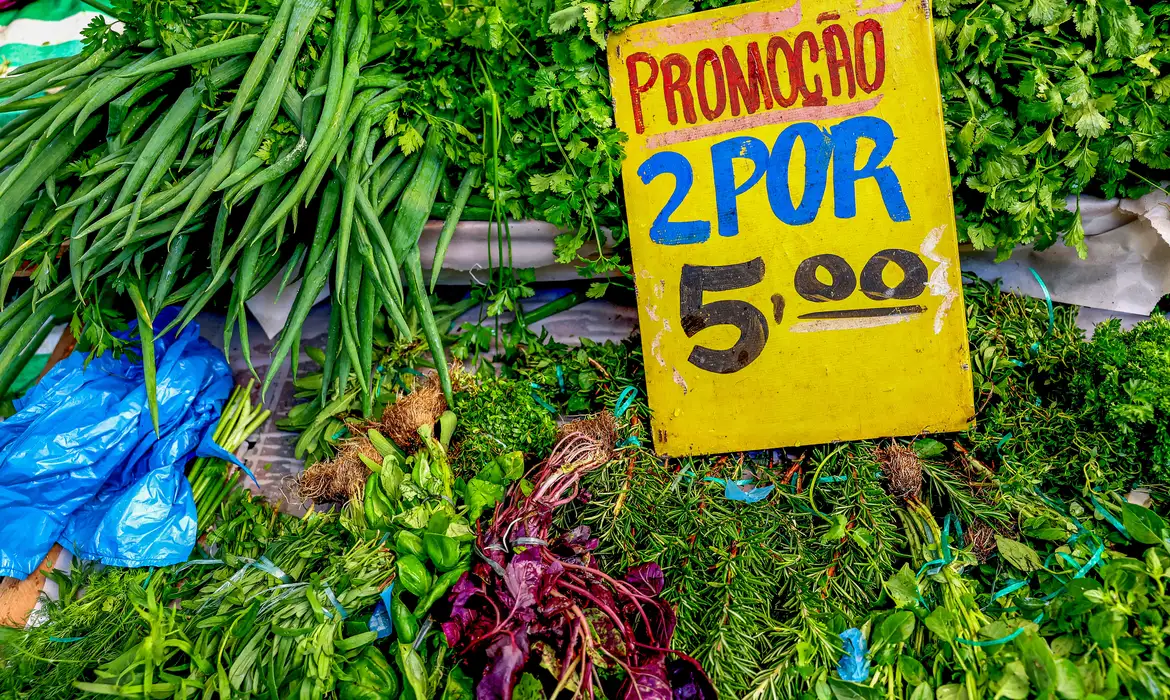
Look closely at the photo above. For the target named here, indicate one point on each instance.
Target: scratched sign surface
(793, 233)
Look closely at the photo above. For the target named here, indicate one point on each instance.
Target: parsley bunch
(1049, 99)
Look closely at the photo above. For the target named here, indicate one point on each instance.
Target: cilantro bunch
(1047, 100)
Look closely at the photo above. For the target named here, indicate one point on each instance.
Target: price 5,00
(752, 324)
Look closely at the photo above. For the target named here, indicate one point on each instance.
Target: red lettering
(873, 29)
(756, 76)
(678, 84)
(708, 57)
(750, 89)
(836, 41)
(814, 98)
(636, 88)
(775, 44)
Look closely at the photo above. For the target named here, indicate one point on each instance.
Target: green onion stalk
(955, 595)
(211, 478)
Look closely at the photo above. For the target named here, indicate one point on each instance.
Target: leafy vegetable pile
(969, 540)
(205, 132)
(348, 605)
(1047, 99)
(198, 119)
(540, 604)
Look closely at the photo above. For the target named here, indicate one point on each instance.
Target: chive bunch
(213, 478)
(161, 172)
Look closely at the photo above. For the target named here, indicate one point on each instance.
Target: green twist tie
(1051, 316)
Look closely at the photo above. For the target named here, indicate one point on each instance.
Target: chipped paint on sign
(788, 199)
(940, 283)
(880, 10)
(802, 114)
(699, 27)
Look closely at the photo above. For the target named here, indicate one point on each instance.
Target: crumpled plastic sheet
(80, 463)
(1127, 270)
(853, 666)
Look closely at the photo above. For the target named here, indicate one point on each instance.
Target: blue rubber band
(543, 404)
(66, 640)
(1001, 640)
(736, 491)
(1009, 589)
(1093, 561)
(340, 433)
(1002, 441)
(1109, 517)
(1047, 300)
(265, 564)
(336, 604)
(197, 562)
(561, 377)
(946, 553)
(624, 401)
(630, 441)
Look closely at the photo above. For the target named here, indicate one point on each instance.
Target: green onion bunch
(196, 156)
(212, 479)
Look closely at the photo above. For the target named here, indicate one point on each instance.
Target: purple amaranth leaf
(687, 679)
(462, 591)
(663, 620)
(506, 657)
(603, 596)
(648, 681)
(523, 577)
(461, 616)
(453, 631)
(554, 605)
(658, 613)
(549, 580)
(647, 578)
(576, 541)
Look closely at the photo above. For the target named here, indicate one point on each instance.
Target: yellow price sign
(793, 233)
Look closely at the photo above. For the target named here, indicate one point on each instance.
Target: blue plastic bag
(854, 665)
(80, 463)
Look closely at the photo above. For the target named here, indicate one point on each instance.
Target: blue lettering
(723, 154)
(818, 150)
(845, 177)
(663, 230)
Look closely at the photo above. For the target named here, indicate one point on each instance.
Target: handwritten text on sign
(792, 228)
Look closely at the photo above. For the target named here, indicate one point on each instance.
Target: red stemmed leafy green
(536, 603)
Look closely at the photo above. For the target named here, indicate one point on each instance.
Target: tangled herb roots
(422, 406)
(602, 428)
(981, 538)
(903, 471)
(341, 478)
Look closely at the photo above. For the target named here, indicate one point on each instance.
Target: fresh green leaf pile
(497, 416)
(1054, 409)
(415, 504)
(1048, 99)
(1069, 635)
(213, 145)
(179, 157)
(764, 589)
(101, 611)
